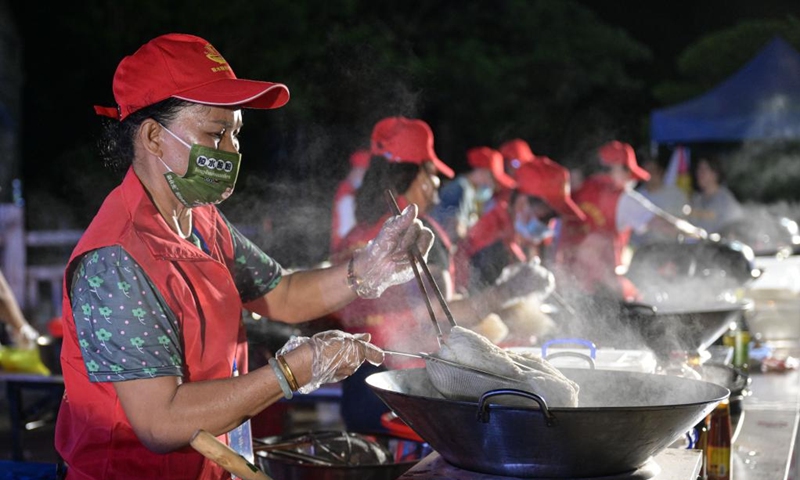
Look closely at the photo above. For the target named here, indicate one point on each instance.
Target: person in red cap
(404, 162)
(154, 346)
(515, 228)
(516, 152)
(462, 199)
(589, 252)
(344, 200)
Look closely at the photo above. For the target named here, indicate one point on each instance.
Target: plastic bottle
(718, 445)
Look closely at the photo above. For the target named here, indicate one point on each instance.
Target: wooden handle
(225, 457)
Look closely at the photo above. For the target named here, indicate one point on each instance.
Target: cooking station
(765, 441)
(670, 464)
(764, 448)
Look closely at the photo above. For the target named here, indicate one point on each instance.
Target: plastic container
(605, 358)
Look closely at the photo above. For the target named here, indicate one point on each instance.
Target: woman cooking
(154, 346)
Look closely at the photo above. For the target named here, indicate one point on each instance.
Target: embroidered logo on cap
(214, 55)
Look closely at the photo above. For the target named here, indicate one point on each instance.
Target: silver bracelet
(287, 391)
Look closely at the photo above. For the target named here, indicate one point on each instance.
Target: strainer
(457, 381)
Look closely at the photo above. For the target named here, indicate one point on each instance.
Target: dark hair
(714, 163)
(370, 201)
(116, 141)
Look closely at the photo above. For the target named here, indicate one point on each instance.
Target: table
(22, 414)
(765, 447)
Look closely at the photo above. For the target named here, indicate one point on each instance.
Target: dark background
(564, 75)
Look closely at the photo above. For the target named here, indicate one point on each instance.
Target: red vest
(590, 251)
(93, 434)
(493, 226)
(390, 319)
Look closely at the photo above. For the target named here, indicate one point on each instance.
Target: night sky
(55, 120)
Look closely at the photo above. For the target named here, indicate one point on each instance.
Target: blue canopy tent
(761, 101)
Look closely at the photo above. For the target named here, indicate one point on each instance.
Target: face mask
(210, 177)
(533, 230)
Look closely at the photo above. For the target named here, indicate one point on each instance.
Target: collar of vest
(151, 228)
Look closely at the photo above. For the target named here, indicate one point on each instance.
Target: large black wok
(623, 420)
(686, 328)
(692, 271)
(662, 328)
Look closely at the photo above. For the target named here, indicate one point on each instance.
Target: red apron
(589, 252)
(93, 434)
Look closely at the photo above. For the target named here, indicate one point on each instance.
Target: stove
(670, 464)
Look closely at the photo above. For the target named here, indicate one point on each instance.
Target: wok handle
(589, 360)
(224, 456)
(580, 341)
(483, 404)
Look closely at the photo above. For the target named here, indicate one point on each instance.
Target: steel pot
(622, 421)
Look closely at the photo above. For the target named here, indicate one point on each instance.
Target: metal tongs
(415, 256)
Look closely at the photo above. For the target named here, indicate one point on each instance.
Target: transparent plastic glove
(384, 261)
(25, 337)
(524, 279)
(336, 355)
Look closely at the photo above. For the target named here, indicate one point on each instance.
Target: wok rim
(724, 394)
(717, 307)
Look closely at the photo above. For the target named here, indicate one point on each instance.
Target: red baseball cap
(516, 152)
(189, 68)
(549, 181)
(491, 159)
(620, 153)
(406, 140)
(360, 158)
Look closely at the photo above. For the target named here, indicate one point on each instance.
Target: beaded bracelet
(287, 391)
(287, 372)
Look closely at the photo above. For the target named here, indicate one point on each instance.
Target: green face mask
(210, 178)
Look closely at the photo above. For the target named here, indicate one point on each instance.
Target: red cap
(360, 158)
(516, 152)
(406, 140)
(619, 153)
(188, 68)
(491, 159)
(549, 181)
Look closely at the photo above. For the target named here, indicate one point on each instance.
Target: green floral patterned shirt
(125, 328)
